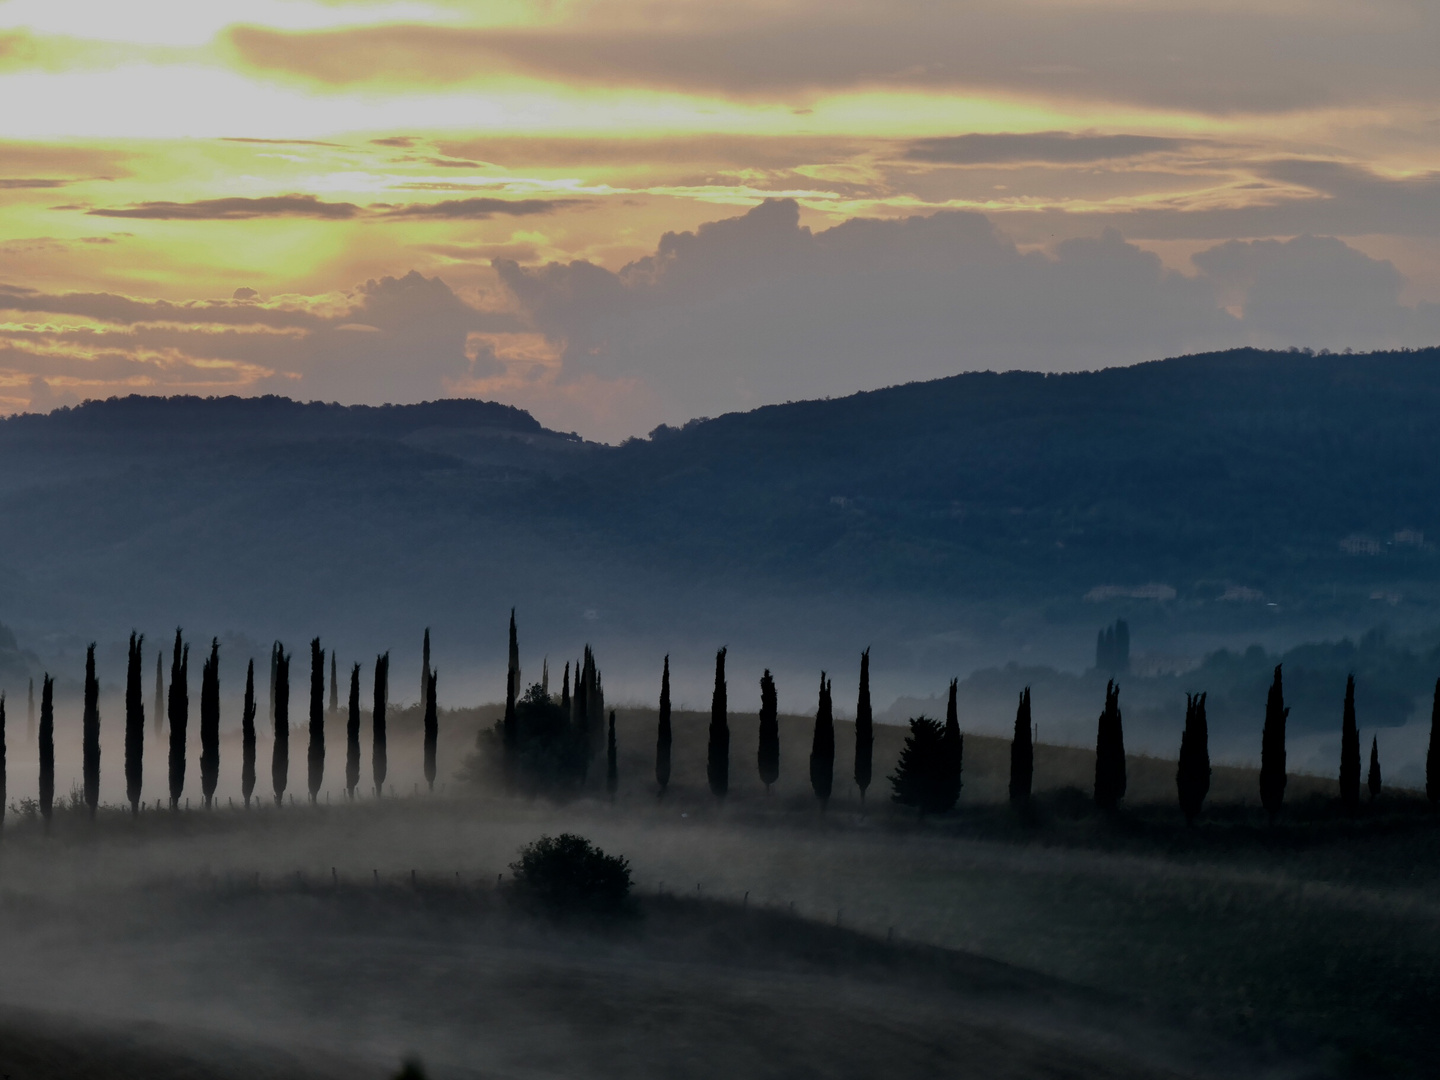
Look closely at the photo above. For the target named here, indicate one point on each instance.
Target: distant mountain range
(952, 523)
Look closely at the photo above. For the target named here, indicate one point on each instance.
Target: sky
(625, 213)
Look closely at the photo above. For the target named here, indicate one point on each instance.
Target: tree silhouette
(352, 736)
(1272, 749)
(432, 729)
(425, 659)
(134, 723)
(1373, 781)
(1192, 774)
(952, 751)
(1022, 753)
(30, 714)
(247, 737)
(768, 756)
(717, 759)
(1432, 752)
(864, 729)
(565, 686)
(179, 710)
(280, 755)
(662, 730)
(334, 686)
(822, 746)
(512, 692)
(1110, 752)
(47, 748)
(210, 724)
(612, 766)
(90, 734)
(315, 755)
(1349, 751)
(378, 761)
(159, 692)
(919, 777)
(2, 758)
(275, 650)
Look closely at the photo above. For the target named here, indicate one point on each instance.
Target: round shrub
(567, 871)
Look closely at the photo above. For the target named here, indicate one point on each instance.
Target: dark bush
(567, 871)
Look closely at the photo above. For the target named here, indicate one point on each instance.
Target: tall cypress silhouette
(432, 729)
(1432, 752)
(159, 693)
(822, 746)
(508, 729)
(315, 755)
(47, 748)
(179, 710)
(565, 690)
(425, 663)
(1349, 751)
(352, 736)
(864, 729)
(768, 755)
(334, 686)
(1272, 749)
(2, 759)
(30, 714)
(280, 753)
(662, 730)
(1110, 752)
(612, 767)
(1373, 781)
(1022, 753)
(545, 677)
(247, 736)
(952, 750)
(210, 724)
(90, 734)
(275, 650)
(134, 723)
(595, 706)
(378, 761)
(717, 758)
(1192, 774)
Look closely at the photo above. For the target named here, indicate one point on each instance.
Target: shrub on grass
(569, 872)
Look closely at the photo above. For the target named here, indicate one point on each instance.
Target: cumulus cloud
(1056, 147)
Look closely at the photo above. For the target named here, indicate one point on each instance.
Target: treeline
(172, 703)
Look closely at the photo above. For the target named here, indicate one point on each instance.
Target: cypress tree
(1022, 753)
(662, 730)
(275, 651)
(1432, 752)
(432, 729)
(315, 755)
(822, 746)
(47, 748)
(1349, 752)
(280, 754)
(952, 752)
(377, 722)
(1373, 781)
(179, 709)
(612, 767)
(210, 724)
(247, 737)
(864, 729)
(717, 760)
(768, 756)
(425, 660)
(565, 688)
(159, 693)
(334, 686)
(508, 729)
(545, 677)
(1192, 774)
(1110, 752)
(1272, 749)
(352, 736)
(595, 705)
(134, 723)
(30, 714)
(90, 734)
(2, 758)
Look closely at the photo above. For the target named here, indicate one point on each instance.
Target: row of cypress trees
(177, 709)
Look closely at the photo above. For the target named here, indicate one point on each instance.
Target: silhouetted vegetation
(280, 754)
(568, 872)
(921, 777)
(509, 729)
(179, 712)
(352, 735)
(1022, 753)
(159, 693)
(663, 735)
(551, 753)
(864, 729)
(432, 729)
(47, 748)
(1192, 771)
(1349, 751)
(1272, 749)
(378, 760)
(425, 657)
(822, 746)
(2, 759)
(1110, 752)
(315, 753)
(210, 724)
(952, 753)
(1373, 779)
(717, 759)
(134, 723)
(90, 734)
(247, 737)
(768, 753)
(1432, 750)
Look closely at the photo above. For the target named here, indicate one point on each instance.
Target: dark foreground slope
(984, 512)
